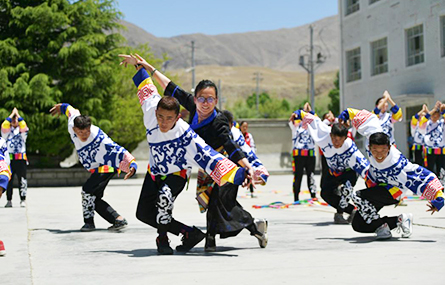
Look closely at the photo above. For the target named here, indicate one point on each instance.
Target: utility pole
(309, 66)
(193, 65)
(258, 78)
(311, 63)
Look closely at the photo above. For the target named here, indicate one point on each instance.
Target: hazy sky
(167, 18)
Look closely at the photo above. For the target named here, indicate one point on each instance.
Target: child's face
(338, 141)
(166, 119)
(379, 152)
(82, 134)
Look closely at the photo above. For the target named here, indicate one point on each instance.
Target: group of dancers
(387, 173)
(226, 159)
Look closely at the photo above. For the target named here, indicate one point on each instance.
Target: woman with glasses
(225, 216)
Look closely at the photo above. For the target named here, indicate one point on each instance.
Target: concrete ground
(44, 244)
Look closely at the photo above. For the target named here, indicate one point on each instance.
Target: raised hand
(128, 59)
(431, 209)
(56, 109)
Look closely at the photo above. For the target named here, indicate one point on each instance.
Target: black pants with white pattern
(156, 202)
(92, 193)
(300, 164)
(18, 168)
(369, 202)
(329, 189)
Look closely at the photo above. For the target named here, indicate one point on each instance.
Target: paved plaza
(44, 244)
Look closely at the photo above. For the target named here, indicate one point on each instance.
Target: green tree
(127, 126)
(334, 95)
(262, 98)
(57, 51)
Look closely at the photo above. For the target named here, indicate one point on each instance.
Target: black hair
(379, 139)
(169, 103)
(229, 116)
(242, 122)
(378, 101)
(203, 84)
(82, 122)
(339, 130)
(324, 116)
(15, 117)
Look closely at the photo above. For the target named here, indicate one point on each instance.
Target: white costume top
(339, 159)
(300, 137)
(99, 152)
(179, 148)
(260, 172)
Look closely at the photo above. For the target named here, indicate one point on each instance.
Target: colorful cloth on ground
(99, 153)
(179, 148)
(260, 174)
(340, 159)
(15, 138)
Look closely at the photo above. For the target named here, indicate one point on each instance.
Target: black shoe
(163, 244)
(210, 245)
(190, 239)
(88, 228)
(118, 225)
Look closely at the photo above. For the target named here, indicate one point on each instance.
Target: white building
(394, 45)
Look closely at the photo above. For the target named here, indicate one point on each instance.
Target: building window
(353, 65)
(373, 1)
(442, 29)
(352, 6)
(379, 56)
(414, 44)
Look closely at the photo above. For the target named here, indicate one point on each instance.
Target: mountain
(277, 49)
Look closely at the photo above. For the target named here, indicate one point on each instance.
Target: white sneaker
(383, 232)
(261, 225)
(22, 204)
(405, 223)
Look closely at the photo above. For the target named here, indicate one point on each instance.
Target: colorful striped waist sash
(434, 150)
(105, 169)
(338, 173)
(18, 156)
(303, 152)
(416, 147)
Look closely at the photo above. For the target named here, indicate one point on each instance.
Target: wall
(409, 86)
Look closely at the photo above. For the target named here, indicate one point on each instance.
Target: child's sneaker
(2, 249)
(190, 239)
(405, 223)
(118, 225)
(8, 204)
(163, 244)
(88, 228)
(261, 225)
(339, 219)
(383, 232)
(23, 204)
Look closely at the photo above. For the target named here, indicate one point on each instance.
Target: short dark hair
(82, 122)
(228, 115)
(339, 130)
(378, 101)
(203, 84)
(169, 103)
(15, 117)
(242, 122)
(324, 116)
(379, 139)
